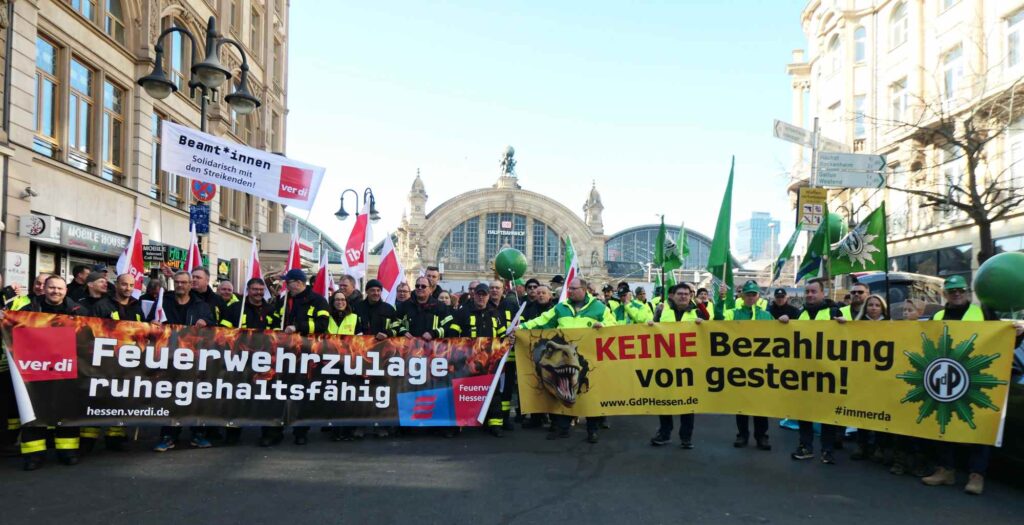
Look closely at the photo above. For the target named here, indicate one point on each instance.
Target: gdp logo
(947, 380)
(295, 183)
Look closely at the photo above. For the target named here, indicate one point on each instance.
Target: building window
(1010, 244)
(952, 172)
(898, 25)
(504, 229)
(80, 107)
(86, 8)
(547, 249)
(178, 63)
(898, 100)
(278, 63)
(858, 117)
(113, 133)
(860, 36)
(952, 72)
(835, 55)
(234, 16)
(45, 107)
(256, 33)
(1014, 48)
(460, 249)
(155, 175)
(113, 23)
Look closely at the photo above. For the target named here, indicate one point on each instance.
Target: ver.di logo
(947, 380)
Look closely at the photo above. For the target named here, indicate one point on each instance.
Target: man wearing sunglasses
(858, 294)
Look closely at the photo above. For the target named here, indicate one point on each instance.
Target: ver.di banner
(191, 153)
(84, 370)
(944, 381)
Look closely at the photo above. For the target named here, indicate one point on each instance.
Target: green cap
(955, 282)
(751, 287)
(519, 281)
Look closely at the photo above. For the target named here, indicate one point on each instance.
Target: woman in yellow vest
(343, 320)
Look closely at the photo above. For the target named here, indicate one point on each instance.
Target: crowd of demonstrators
(425, 310)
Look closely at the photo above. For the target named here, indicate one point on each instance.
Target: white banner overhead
(200, 156)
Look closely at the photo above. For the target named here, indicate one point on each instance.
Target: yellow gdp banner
(930, 379)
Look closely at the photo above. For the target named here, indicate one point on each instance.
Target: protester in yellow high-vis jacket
(579, 310)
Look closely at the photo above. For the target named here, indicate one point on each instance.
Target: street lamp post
(207, 75)
(368, 200)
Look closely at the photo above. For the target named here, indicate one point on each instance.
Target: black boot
(34, 461)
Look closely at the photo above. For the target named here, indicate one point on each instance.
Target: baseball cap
(558, 279)
(780, 292)
(95, 276)
(955, 282)
(751, 287)
(99, 267)
(482, 288)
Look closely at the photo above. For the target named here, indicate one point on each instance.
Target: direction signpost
(850, 179)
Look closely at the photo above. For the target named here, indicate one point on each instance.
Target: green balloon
(510, 263)
(999, 282)
(836, 227)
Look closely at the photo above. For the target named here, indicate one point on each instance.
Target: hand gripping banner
(82, 370)
(944, 381)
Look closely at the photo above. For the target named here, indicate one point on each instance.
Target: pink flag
(195, 258)
(355, 250)
(390, 273)
(324, 284)
(130, 261)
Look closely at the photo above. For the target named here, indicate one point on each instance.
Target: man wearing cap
(96, 302)
(750, 310)
(479, 319)
(531, 289)
(817, 308)
(629, 310)
(960, 309)
(556, 283)
(579, 310)
(306, 313)
(678, 309)
(640, 294)
(182, 308)
(76, 288)
(466, 299)
(376, 317)
(607, 294)
(780, 305)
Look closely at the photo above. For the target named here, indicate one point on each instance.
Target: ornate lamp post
(207, 75)
(368, 200)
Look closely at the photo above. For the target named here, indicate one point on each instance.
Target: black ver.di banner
(82, 370)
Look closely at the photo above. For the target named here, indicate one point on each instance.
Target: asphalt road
(475, 478)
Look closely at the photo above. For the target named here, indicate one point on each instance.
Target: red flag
(159, 316)
(324, 284)
(573, 273)
(355, 250)
(294, 261)
(195, 258)
(390, 273)
(130, 261)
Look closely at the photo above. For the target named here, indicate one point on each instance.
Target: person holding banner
(750, 310)
(480, 319)
(305, 313)
(376, 317)
(579, 310)
(343, 320)
(960, 309)
(679, 309)
(629, 310)
(858, 295)
(254, 312)
(182, 308)
(817, 308)
(202, 290)
(125, 307)
(65, 439)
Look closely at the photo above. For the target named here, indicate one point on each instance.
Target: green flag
(659, 245)
(666, 253)
(816, 256)
(569, 253)
(682, 244)
(864, 248)
(719, 257)
(786, 255)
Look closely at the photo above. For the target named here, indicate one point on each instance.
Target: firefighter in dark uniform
(65, 439)
(376, 317)
(254, 312)
(424, 317)
(303, 312)
(506, 306)
(98, 303)
(479, 319)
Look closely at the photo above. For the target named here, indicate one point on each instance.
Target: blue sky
(648, 99)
